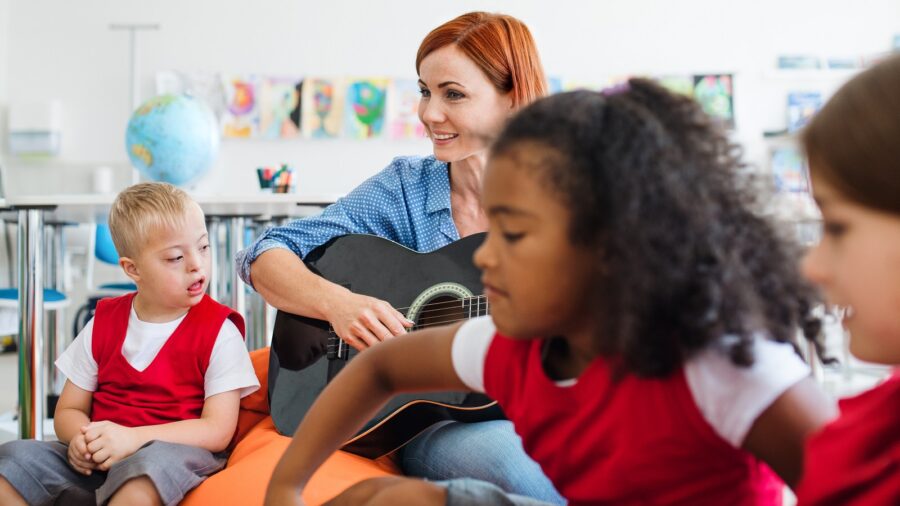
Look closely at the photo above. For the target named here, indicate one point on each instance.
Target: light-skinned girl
(642, 320)
(853, 146)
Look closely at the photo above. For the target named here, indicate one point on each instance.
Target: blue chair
(105, 251)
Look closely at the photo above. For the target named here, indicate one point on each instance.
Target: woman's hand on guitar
(363, 321)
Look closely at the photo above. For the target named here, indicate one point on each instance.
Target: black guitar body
(430, 288)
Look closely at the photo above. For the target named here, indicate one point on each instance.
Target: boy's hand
(79, 457)
(109, 442)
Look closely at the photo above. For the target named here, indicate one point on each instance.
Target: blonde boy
(154, 380)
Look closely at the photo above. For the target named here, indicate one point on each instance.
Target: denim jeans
(487, 451)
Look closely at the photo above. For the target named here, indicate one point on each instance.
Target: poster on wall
(323, 107)
(365, 110)
(789, 170)
(403, 110)
(206, 86)
(241, 117)
(801, 106)
(715, 93)
(683, 84)
(279, 108)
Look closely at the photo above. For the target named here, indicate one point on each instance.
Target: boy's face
(172, 268)
(857, 264)
(538, 283)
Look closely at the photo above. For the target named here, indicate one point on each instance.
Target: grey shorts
(40, 472)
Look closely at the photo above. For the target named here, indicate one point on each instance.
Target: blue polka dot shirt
(408, 202)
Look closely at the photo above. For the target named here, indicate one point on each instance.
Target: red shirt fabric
(855, 460)
(171, 388)
(635, 441)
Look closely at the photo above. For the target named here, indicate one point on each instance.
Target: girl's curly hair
(652, 184)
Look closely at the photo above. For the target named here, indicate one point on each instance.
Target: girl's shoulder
(731, 397)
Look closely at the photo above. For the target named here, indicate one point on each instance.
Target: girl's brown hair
(853, 143)
(500, 45)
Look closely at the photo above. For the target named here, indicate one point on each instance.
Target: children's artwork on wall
(573, 85)
(323, 107)
(683, 85)
(206, 86)
(241, 118)
(279, 108)
(789, 170)
(365, 110)
(403, 110)
(554, 85)
(801, 106)
(715, 94)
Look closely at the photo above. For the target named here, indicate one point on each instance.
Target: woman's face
(461, 110)
(857, 264)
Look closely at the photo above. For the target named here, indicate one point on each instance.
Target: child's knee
(138, 492)
(8, 493)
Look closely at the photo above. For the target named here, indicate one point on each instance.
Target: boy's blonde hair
(142, 209)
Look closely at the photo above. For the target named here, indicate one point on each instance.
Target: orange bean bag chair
(257, 447)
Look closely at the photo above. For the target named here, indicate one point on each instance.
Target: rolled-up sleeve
(377, 207)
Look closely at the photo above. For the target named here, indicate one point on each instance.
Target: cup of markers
(276, 180)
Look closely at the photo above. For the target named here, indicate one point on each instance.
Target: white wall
(63, 49)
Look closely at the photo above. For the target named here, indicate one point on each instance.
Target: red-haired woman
(474, 72)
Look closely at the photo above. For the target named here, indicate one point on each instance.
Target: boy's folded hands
(79, 457)
(108, 443)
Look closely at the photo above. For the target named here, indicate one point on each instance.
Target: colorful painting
(241, 117)
(323, 110)
(554, 85)
(683, 85)
(789, 170)
(279, 108)
(715, 94)
(206, 86)
(365, 110)
(403, 110)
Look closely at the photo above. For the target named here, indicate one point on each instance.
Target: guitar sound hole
(441, 311)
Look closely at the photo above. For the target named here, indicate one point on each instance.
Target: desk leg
(236, 234)
(215, 284)
(31, 325)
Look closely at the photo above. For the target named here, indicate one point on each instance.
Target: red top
(855, 460)
(637, 441)
(171, 388)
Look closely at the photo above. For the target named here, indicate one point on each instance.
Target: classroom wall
(65, 50)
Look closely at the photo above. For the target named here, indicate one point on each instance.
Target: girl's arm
(778, 435)
(420, 361)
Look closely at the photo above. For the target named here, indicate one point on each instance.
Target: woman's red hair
(500, 45)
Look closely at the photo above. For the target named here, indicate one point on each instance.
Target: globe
(172, 138)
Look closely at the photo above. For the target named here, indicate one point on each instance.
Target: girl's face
(857, 263)
(537, 282)
(461, 110)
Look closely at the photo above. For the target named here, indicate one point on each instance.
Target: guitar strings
(441, 306)
(446, 304)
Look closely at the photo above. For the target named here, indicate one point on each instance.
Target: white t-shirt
(229, 364)
(729, 397)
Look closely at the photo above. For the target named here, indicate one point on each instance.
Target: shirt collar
(437, 185)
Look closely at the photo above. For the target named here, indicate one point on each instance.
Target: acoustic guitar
(431, 289)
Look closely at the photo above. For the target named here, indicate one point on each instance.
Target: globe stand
(132, 29)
